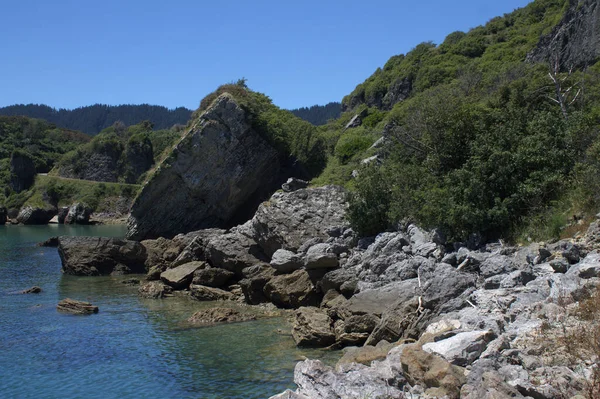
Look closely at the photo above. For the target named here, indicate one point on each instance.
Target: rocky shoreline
(418, 316)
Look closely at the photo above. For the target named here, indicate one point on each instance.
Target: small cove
(133, 347)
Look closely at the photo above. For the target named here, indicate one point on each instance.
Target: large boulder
(216, 173)
(94, 256)
(78, 214)
(212, 277)
(289, 219)
(293, 290)
(36, 215)
(181, 276)
(313, 327)
(233, 251)
(154, 290)
(254, 281)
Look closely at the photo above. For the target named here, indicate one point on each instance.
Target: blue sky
(70, 53)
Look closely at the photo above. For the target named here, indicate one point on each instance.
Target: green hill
(473, 137)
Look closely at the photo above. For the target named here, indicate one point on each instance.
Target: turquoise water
(133, 348)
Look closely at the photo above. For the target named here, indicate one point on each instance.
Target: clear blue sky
(70, 53)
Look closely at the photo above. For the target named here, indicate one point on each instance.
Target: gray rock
(293, 184)
(463, 348)
(336, 279)
(78, 214)
(233, 251)
(93, 256)
(214, 173)
(287, 220)
(497, 264)
(36, 216)
(589, 267)
(180, 277)
(285, 261)
(320, 256)
(212, 277)
(560, 265)
(313, 327)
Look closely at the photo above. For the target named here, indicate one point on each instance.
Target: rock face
(3, 215)
(22, 171)
(217, 171)
(575, 41)
(288, 220)
(94, 256)
(30, 215)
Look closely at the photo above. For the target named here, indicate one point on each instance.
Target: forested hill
(319, 114)
(94, 118)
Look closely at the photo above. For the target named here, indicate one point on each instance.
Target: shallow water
(133, 347)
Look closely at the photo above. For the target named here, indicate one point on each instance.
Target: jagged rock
(219, 315)
(3, 215)
(233, 251)
(51, 242)
(287, 220)
(292, 290)
(365, 354)
(589, 267)
(293, 184)
(212, 277)
(93, 256)
(253, 284)
(320, 256)
(76, 307)
(439, 376)
(154, 290)
(203, 293)
(31, 215)
(78, 214)
(285, 261)
(181, 276)
(316, 380)
(312, 327)
(160, 253)
(341, 280)
(215, 174)
(490, 385)
(33, 290)
(461, 349)
(22, 171)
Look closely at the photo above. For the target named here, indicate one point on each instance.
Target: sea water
(134, 347)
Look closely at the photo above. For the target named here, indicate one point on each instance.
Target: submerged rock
(154, 290)
(33, 290)
(219, 315)
(76, 307)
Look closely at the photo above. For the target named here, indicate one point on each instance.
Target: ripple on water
(133, 347)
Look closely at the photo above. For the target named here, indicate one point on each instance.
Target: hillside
(319, 114)
(95, 118)
(472, 138)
